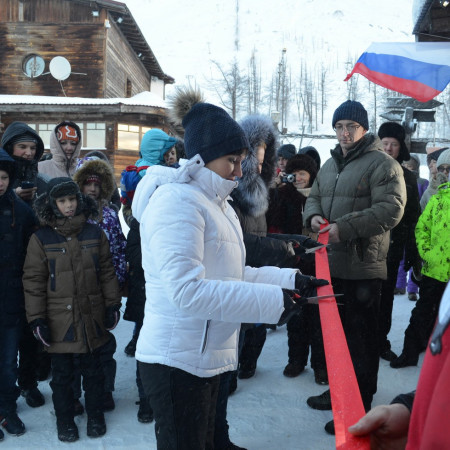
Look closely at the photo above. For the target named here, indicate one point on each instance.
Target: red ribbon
(345, 396)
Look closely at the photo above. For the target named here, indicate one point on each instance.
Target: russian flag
(417, 69)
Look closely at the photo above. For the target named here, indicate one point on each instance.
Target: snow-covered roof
(144, 98)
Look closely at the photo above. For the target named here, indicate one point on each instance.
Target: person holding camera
(25, 146)
(285, 215)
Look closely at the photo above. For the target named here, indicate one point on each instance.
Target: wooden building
(85, 61)
(433, 20)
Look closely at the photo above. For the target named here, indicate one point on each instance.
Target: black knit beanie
(303, 162)
(435, 155)
(396, 131)
(312, 152)
(286, 151)
(210, 132)
(351, 110)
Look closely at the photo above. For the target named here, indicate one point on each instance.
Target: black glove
(292, 305)
(112, 316)
(306, 285)
(41, 331)
(300, 250)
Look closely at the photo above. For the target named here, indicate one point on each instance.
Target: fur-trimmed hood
(46, 215)
(252, 193)
(94, 166)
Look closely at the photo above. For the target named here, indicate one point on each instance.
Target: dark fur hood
(46, 215)
(251, 196)
(100, 168)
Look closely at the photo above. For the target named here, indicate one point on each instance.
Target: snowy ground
(268, 411)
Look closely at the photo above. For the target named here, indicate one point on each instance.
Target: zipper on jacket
(332, 197)
(205, 337)
(58, 250)
(85, 246)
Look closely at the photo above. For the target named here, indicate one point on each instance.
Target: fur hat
(312, 152)
(351, 110)
(208, 130)
(94, 167)
(286, 151)
(434, 155)
(303, 162)
(395, 131)
(444, 158)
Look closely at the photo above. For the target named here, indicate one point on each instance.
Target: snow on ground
(268, 411)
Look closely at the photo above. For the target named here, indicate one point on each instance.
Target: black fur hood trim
(252, 194)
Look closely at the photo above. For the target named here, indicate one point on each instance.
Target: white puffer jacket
(198, 289)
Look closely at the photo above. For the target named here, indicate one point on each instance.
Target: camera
(27, 185)
(289, 178)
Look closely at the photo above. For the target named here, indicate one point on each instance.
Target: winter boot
(33, 397)
(245, 372)
(96, 426)
(398, 291)
(108, 402)
(321, 402)
(405, 360)
(67, 430)
(321, 376)
(130, 348)
(145, 412)
(12, 424)
(329, 427)
(412, 296)
(293, 369)
(388, 355)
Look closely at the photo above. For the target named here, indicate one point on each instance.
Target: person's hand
(307, 285)
(316, 221)
(26, 194)
(41, 331)
(333, 232)
(387, 426)
(291, 306)
(112, 316)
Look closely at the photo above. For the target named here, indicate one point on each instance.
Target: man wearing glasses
(361, 192)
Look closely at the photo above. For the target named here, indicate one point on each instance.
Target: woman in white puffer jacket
(198, 288)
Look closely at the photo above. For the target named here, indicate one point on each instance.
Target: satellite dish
(60, 68)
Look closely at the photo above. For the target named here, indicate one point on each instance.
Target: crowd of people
(242, 262)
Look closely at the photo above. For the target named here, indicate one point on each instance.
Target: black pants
(184, 406)
(62, 381)
(359, 315)
(387, 301)
(304, 330)
(28, 359)
(423, 316)
(252, 346)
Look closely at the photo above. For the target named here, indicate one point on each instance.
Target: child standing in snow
(71, 299)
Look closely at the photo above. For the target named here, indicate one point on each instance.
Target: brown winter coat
(69, 280)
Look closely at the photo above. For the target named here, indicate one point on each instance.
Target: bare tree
(230, 88)
(253, 86)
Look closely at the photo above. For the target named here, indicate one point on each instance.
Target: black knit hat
(395, 131)
(8, 165)
(351, 110)
(312, 152)
(302, 162)
(210, 132)
(434, 156)
(286, 151)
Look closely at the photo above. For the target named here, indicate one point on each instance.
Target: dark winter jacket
(26, 170)
(134, 310)
(69, 279)
(403, 235)
(251, 197)
(17, 224)
(364, 193)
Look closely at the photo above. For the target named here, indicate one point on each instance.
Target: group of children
(63, 273)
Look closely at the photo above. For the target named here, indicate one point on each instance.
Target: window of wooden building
(129, 136)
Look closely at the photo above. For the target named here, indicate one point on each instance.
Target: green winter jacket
(364, 194)
(433, 235)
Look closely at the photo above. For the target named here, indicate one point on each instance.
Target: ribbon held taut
(345, 396)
